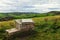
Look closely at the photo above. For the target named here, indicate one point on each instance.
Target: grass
(47, 28)
(7, 24)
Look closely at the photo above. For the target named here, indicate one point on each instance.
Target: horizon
(37, 6)
(29, 12)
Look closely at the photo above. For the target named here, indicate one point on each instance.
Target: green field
(46, 28)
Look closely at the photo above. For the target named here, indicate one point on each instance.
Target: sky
(40, 6)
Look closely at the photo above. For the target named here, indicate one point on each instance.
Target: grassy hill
(20, 15)
(46, 28)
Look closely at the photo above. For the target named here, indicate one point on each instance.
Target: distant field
(47, 28)
(36, 19)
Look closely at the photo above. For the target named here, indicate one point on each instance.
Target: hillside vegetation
(19, 15)
(46, 28)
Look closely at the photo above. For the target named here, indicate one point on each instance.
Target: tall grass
(5, 25)
(47, 28)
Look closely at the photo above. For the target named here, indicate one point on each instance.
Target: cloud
(29, 5)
